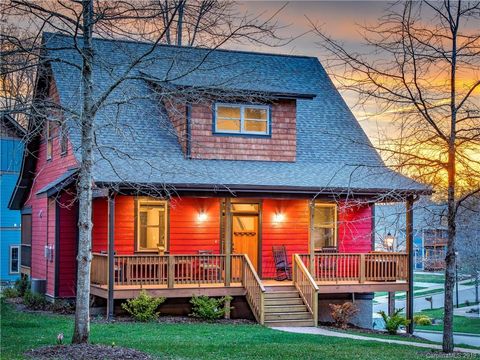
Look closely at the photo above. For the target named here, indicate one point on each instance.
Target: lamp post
(388, 242)
(456, 276)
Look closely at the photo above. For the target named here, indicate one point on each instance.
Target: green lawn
(22, 331)
(428, 278)
(460, 323)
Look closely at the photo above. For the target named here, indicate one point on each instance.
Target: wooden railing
(356, 267)
(306, 286)
(255, 292)
(168, 270)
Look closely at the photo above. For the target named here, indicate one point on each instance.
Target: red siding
(68, 245)
(187, 234)
(291, 232)
(124, 225)
(45, 172)
(354, 228)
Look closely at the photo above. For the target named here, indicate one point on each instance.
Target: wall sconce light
(278, 217)
(202, 216)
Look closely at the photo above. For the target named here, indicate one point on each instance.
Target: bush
(208, 308)
(34, 301)
(63, 307)
(22, 285)
(422, 320)
(9, 292)
(343, 313)
(143, 307)
(393, 323)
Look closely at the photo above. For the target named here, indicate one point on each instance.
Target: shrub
(9, 292)
(393, 323)
(34, 301)
(143, 307)
(422, 320)
(343, 313)
(22, 285)
(208, 308)
(63, 307)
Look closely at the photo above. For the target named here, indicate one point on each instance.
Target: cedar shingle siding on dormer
(205, 144)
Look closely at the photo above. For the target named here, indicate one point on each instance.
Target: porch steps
(285, 307)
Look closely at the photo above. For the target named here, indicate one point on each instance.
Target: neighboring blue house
(11, 135)
(429, 232)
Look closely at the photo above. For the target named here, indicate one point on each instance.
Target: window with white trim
(242, 119)
(14, 259)
(152, 225)
(324, 227)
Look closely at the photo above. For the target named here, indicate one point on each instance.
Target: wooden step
(282, 294)
(284, 301)
(304, 315)
(289, 323)
(284, 308)
(271, 289)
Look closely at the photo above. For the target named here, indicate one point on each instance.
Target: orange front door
(245, 236)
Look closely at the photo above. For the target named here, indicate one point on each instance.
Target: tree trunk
(84, 187)
(450, 258)
(181, 4)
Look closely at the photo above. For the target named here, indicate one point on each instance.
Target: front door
(246, 229)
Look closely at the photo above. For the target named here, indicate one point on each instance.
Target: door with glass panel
(246, 230)
(152, 226)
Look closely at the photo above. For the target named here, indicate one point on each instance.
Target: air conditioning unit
(38, 286)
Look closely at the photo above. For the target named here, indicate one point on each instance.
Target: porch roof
(137, 143)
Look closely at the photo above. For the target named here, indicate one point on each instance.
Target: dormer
(237, 130)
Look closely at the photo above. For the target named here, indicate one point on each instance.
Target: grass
(22, 331)
(429, 278)
(460, 323)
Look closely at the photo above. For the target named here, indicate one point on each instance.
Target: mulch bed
(167, 319)
(85, 352)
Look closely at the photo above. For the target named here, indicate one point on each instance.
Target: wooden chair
(282, 267)
(327, 266)
(208, 266)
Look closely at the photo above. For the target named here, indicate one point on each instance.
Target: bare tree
(420, 68)
(81, 20)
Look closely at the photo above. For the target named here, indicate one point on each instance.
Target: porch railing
(356, 267)
(306, 286)
(168, 270)
(255, 291)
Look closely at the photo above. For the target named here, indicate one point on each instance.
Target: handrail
(306, 286)
(358, 267)
(255, 291)
(168, 270)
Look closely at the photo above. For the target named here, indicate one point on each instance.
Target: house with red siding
(216, 173)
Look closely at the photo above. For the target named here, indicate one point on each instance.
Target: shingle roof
(137, 143)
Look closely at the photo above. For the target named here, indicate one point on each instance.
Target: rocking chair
(282, 267)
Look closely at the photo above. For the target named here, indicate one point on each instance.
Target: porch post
(111, 254)
(228, 240)
(409, 247)
(312, 244)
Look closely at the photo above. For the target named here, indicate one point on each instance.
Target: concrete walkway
(324, 332)
(458, 338)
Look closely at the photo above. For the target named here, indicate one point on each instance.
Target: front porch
(181, 276)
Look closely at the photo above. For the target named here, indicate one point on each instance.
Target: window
(26, 253)
(63, 139)
(49, 137)
(324, 227)
(152, 225)
(14, 259)
(242, 119)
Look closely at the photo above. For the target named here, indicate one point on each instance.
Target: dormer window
(242, 119)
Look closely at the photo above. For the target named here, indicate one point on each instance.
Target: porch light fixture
(202, 216)
(388, 241)
(278, 217)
